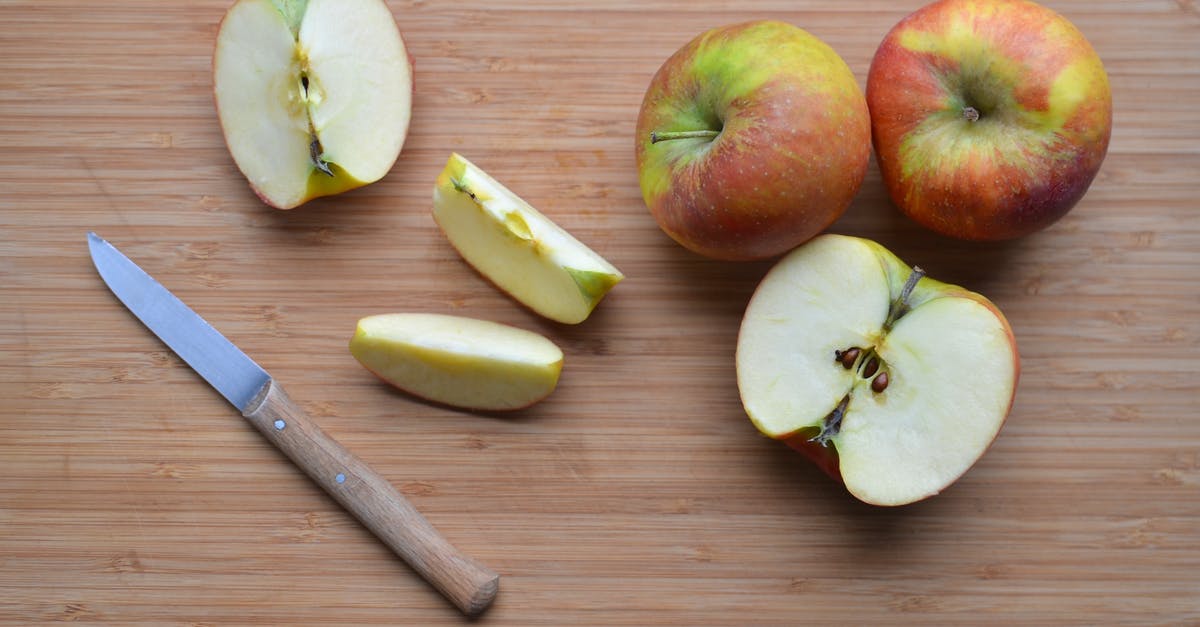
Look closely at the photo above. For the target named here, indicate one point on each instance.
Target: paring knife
(362, 491)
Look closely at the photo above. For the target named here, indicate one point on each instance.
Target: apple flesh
(751, 139)
(314, 97)
(458, 361)
(990, 118)
(893, 383)
(520, 250)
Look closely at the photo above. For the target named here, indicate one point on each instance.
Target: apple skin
(792, 149)
(825, 457)
(1045, 117)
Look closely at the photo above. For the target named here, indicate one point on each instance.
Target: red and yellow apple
(751, 139)
(891, 382)
(990, 118)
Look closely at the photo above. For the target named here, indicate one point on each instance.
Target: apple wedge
(458, 361)
(893, 383)
(517, 248)
(314, 96)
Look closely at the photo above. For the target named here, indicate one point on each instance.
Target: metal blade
(215, 358)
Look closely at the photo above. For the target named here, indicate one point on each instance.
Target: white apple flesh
(458, 361)
(520, 250)
(314, 97)
(894, 383)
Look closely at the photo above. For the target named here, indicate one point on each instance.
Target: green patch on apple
(292, 12)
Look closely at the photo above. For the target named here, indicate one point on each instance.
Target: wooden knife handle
(373, 500)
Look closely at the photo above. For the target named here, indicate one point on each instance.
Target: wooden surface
(637, 494)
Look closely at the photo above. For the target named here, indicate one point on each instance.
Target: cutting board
(638, 493)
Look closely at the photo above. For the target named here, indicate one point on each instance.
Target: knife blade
(351, 482)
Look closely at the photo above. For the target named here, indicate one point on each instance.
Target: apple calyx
(869, 364)
(657, 136)
(314, 152)
(832, 423)
(970, 114)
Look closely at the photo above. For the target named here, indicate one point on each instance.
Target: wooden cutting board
(637, 494)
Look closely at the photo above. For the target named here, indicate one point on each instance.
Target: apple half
(314, 96)
(517, 248)
(891, 382)
(458, 361)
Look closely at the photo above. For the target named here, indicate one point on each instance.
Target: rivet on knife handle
(373, 500)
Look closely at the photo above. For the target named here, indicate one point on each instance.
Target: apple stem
(970, 114)
(832, 423)
(656, 136)
(900, 307)
(916, 275)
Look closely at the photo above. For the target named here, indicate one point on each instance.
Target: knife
(351, 482)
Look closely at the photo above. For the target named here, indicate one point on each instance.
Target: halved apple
(893, 383)
(314, 96)
(516, 247)
(458, 361)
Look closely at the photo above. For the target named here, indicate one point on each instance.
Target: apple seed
(871, 367)
(847, 357)
(880, 383)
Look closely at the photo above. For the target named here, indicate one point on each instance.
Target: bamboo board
(637, 494)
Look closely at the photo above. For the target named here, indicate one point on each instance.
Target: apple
(990, 118)
(520, 250)
(314, 96)
(458, 361)
(892, 382)
(751, 139)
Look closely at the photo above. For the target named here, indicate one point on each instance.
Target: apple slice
(891, 382)
(462, 362)
(314, 96)
(516, 247)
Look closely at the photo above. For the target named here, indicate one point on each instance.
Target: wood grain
(638, 493)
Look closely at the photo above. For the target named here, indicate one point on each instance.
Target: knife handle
(373, 500)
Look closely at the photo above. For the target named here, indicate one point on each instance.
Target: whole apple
(751, 139)
(990, 118)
